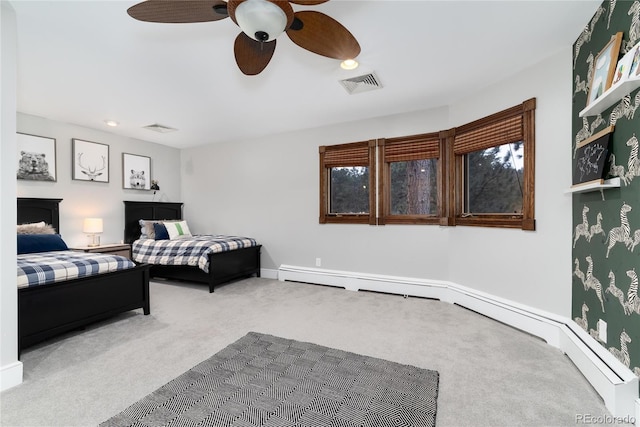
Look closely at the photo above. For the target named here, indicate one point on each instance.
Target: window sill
(506, 221)
(409, 220)
(346, 219)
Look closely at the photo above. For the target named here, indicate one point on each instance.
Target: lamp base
(94, 240)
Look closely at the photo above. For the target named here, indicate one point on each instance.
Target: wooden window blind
(499, 129)
(346, 155)
(416, 147)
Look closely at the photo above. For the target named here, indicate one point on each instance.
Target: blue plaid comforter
(43, 268)
(193, 251)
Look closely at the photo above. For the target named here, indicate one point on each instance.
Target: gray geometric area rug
(263, 380)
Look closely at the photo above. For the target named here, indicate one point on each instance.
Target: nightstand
(121, 249)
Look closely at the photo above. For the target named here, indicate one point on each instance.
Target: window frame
(524, 221)
(341, 155)
(450, 172)
(412, 144)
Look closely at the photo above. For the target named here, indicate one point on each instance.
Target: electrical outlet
(602, 330)
(318, 262)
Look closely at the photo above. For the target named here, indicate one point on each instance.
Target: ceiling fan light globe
(261, 20)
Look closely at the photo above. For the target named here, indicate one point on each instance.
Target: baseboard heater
(613, 381)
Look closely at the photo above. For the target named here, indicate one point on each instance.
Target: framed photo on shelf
(36, 158)
(622, 69)
(136, 172)
(90, 161)
(604, 67)
(635, 61)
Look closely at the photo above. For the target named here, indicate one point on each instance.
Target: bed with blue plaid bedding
(193, 251)
(43, 268)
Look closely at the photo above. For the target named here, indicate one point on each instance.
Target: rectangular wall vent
(160, 128)
(362, 83)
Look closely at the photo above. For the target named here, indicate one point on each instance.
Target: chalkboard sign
(591, 158)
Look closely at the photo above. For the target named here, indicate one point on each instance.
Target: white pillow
(177, 229)
(36, 228)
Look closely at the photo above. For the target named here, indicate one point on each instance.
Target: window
(410, 177)
(493, 167)
(480, 174)
(347, 183)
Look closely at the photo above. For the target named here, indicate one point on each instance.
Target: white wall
(533, 268)
(10, 368)
(268, 188)
(96, 199)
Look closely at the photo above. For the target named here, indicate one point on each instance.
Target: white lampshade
(92, 225)
(261, 20)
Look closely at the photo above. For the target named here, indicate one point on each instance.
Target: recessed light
(349, 64)
(111, 123)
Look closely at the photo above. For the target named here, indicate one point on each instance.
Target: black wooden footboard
(49, 310)
(223, 267)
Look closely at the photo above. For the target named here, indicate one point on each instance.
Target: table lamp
(93, 228)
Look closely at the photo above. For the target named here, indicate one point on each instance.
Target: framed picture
(635, 61)
(36, 158)
(622, 69)
(136, 172)
(604, 68)
(591, 157)
(90, 161)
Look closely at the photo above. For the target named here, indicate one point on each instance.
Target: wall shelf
(595, 186)
(611, 96)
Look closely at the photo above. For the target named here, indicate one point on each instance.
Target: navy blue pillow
(161, 231)
(30, 243)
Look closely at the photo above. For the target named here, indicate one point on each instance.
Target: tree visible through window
(349, 190)
(493, 169)
(410, 176)
(347, 183)
(494, 179)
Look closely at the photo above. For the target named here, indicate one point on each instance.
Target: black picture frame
(136, 172)
(36, 158)
(90, 161)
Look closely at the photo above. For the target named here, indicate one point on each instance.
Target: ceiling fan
(261, 21)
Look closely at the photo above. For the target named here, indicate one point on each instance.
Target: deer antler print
(91, 172)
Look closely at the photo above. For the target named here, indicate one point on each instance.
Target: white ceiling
(83, 62)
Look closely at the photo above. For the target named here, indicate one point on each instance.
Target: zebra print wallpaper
(606, 237)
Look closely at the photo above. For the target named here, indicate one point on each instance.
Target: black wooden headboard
(135, 211)
(36, 210)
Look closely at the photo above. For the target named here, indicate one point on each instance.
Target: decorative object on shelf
(90, 161)
(36, 158)
(155, 187)
(93, 227)
(591, 157)
(136, 172)
(604, 68)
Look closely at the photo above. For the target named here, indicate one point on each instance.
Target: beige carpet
(490, 374)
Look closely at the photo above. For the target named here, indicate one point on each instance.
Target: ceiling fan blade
(179, 11)
(308, 2)
(252, 56)
(321, 34)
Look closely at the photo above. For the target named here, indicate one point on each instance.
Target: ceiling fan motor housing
(262, 20)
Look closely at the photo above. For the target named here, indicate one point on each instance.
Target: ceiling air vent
(160, 128)
(362, 83)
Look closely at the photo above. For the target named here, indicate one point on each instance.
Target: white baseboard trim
(613, 381)
(10, 375)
